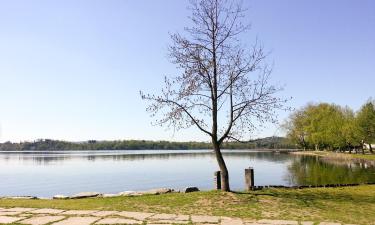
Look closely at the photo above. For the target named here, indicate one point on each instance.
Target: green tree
(366, 123)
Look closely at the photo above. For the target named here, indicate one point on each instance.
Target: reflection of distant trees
(51, 157)
(308, 170)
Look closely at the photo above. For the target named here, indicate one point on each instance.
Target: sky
(72, 69)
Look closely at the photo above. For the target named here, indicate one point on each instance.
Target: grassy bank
(336, 155)
(346, 204)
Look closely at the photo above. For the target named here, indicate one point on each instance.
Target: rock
(85, 195)
(60, 197)
(110, 195)
(191, 189)
(157, 191)
(129, 193)
(21, 197)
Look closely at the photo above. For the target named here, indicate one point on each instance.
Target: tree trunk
(222, 166)
(370, 147)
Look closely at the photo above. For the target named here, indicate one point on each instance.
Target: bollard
(249, 178)
(217, 178)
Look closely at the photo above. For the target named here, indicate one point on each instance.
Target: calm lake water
(45, 174)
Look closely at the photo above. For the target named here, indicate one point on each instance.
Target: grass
(333, 155)
(345, 205)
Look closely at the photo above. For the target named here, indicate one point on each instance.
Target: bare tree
(224, 86)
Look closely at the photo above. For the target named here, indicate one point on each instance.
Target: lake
(45, 174)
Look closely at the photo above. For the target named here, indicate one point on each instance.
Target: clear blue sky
(72, 69)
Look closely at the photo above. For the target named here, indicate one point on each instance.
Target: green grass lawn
(346, 204)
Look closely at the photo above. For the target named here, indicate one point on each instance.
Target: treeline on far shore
(332, 127)
(48, 144)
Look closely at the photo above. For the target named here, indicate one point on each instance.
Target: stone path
(92, 217)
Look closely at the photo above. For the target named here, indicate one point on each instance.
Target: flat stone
(159, 224)
(41, 220)
(60, 197)
(135, 215)
(77, 221)
(79, 212)
(18, 209)
(170, 221)
(278, 222)
(48, 211)
(5, 213)
(329, 223)
(118, 221)
(129, 193)
(205, 219)
(103, 213)
(9, 219)
(85, 195)
(163, 216)
(231, 222)
(21, 197)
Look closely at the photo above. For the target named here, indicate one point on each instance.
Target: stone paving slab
(5, 213)
(231, 221)
(135, 215)
(41, 220)
(118, 221)
(47, 211)
(77, 221)
(79, 212)
(159, 224)
(329, 223)
(205, 219)
(307, 223)
(169, 221)
(182, 217)
(104, 213)
(9, 219)
(18, 209)
(163, 216)
(278, 222)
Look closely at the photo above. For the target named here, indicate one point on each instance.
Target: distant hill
(48, 144)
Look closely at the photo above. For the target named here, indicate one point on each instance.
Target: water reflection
(308, 170)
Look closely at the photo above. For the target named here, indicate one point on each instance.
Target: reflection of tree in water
(308, 170)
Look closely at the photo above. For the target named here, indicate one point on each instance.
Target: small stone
(40, 220)
(77, 220)
(47, 211)
(205, 219)
(135, 215)
(104, 213)
(85, 195)
(9, 219)
(118, 221)
(79, 212)
(278, 222)
(191, 189)
(60, 197)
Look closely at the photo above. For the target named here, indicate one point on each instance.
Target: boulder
(110, 195)
(85, 195)
(191, 189)
(60, 197)
(157, 191)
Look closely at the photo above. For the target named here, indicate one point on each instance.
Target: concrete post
(249, 178)
(217, 178)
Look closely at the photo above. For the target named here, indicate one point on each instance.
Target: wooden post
(249, 178)
(217, 178)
